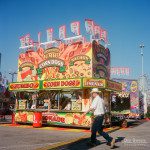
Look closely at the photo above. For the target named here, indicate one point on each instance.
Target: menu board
(76, 106)
(22, 104)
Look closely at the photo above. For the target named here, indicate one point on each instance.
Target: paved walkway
(136, 137)
(25, 137)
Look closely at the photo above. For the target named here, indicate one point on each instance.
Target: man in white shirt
(98, 109)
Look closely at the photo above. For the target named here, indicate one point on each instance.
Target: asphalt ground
(25, 137)
(135, 137)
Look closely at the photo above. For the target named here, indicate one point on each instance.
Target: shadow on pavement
(119, 139)
(135, 123)
(83, 144)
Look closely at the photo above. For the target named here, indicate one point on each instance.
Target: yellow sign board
(66, 83)
(89, 82)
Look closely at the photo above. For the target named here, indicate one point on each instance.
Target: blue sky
(126, 21)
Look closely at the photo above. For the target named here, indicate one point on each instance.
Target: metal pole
(142, 66)
(12, 75)
(141, 47)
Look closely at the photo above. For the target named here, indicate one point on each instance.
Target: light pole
(141, 47)
(142, 67)
(12, 75)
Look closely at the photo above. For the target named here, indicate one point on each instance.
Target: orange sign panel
(24, 86)
(114, 85)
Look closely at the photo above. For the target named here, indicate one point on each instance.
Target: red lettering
(45, 84)
(63, 120)
(55, 118)
(62, 83)
(31, 85)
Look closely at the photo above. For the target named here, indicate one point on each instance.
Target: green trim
(81, 83)
(20, 68)
(39, 71)
(87, 62)
(71, 63)
(32, 68)
(62, 69)
(40, 85)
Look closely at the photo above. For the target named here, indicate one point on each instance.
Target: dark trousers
(97, 127)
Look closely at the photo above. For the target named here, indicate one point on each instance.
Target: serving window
(52, 100)
(71, 100)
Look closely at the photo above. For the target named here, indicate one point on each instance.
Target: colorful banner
(99, 83)
(97, 32)
(131, 87)
(56, 118)
(27, 39)
(75, 27)
(39, 38)
(103, 35)
(62, 32)
(89, 26)
(22, 41)
(17, 86)
(66, 83)
(49, 34)
(101, 61)
(111, 85)
(120, 71)
(64, 118)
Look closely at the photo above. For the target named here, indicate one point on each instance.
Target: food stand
(60, 78)
(57, 115)
(128, 102)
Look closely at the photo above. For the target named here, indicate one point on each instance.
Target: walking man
(98, 110)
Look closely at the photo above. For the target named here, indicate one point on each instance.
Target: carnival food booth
(61, 88)
(128, 102)
(61, 102)
(55, 79)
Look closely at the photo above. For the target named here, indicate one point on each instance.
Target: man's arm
(91, 109)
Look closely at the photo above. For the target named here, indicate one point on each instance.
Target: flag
(39, 37)
(75, 27)
(27, 39)
(62, 32)
(49, 34)
(31, 42)
(103, 35)
(97, 30)
(89, 26)
(22, 41)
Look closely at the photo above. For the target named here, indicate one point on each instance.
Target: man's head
(95, 92)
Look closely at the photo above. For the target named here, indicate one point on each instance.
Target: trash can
(37, 119)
